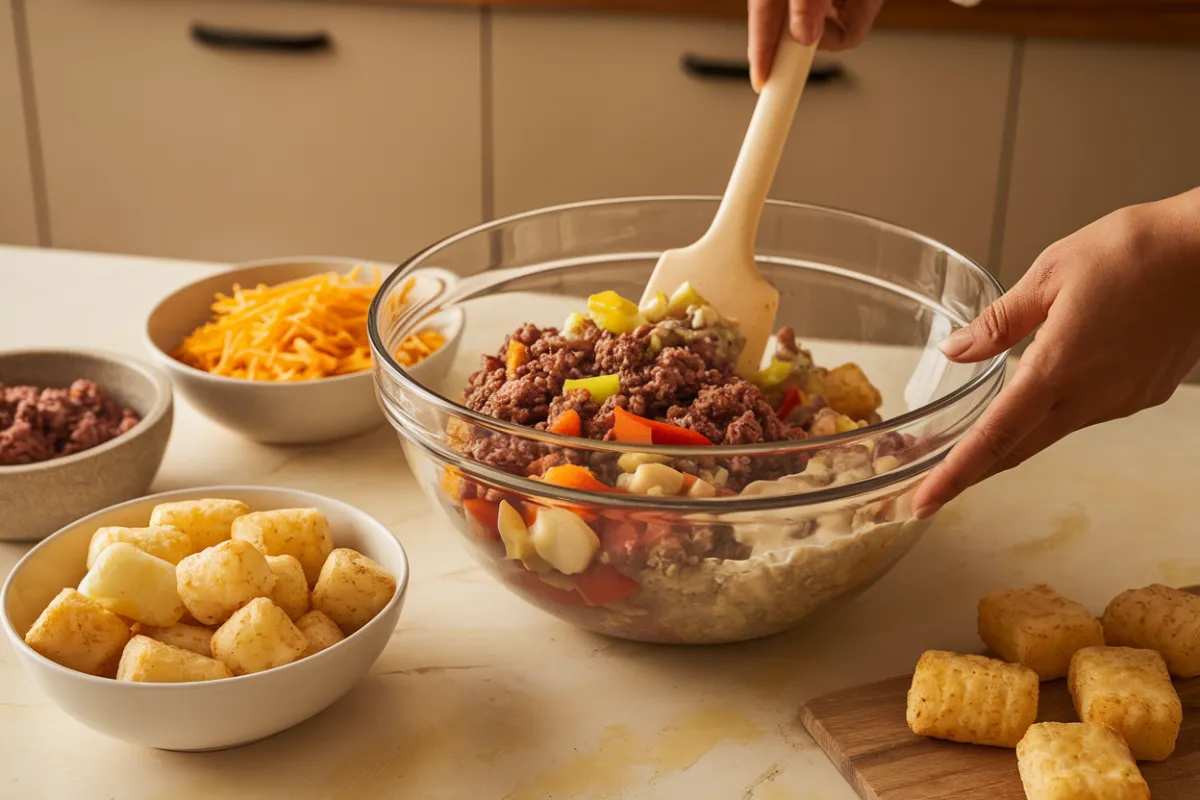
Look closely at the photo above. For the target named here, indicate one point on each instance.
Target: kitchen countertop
(481, 696)
(1169, 21)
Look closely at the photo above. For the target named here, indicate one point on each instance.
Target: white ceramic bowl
(38, 499)
(304, 412)
(208, 715)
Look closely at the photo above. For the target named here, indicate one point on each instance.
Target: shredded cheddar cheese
(418, 346)
(296, 331)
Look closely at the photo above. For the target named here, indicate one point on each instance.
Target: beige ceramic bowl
(38, 499)
(215, 714)
(307, 412)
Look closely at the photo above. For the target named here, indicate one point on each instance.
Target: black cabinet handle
(717, 69)
(231, 39)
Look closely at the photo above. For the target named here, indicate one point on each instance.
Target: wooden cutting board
(864, 733)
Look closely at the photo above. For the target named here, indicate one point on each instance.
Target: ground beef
(689, 383)
(41, 424)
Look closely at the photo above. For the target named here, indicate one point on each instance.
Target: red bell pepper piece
(791, 401)
(618, 538)
(654, 531)
(631, 428)
(567, 423)
(483, 517)
(529, 512)
(531, 584)
(660, 432)
(603, 584)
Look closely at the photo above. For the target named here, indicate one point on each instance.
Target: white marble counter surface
(480, 696)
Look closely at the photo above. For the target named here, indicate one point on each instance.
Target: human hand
(1120, 303)
(836, 24)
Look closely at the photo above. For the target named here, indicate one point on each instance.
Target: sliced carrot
(567, 423)
(483, 515)
(689, 480)
(452, 482)
(572, 476)
(516, 356)
(603, 584)
(631, 428)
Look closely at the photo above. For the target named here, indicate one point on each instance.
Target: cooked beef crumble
(41, 424)
(685, 382)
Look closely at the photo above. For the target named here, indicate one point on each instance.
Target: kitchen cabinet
(1098, 127)
(591, 106)
(18, 218)
(336, 128)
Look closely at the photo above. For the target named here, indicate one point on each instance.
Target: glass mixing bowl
(681, 569)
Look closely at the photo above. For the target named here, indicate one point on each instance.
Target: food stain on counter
(613, 766)
(1065, 530)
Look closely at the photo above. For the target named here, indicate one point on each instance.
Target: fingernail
(815, 28)
(956, 343)
(928, 510)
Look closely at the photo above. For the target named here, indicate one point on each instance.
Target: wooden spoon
(720, 265)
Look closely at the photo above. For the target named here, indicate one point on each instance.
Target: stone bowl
(38, 499)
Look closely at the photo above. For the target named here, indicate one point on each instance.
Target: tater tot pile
(210, 589)
(1118, 674)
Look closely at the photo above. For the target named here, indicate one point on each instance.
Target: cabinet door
(18, 221)
(1099, 126)
(156, 142)
(595, 106)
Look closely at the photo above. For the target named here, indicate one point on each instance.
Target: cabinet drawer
(1099, 127)
(600, 106)
(18, 221)
(157, 143)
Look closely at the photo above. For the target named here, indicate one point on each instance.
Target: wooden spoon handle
(737, 217)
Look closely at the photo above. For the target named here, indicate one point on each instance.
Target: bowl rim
(993, 368)
(229, 272)
(18, 641)
(163, 403)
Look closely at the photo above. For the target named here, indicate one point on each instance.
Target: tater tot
(972, 699)
(195, 638)
(218, 581)
(1078, 761)
(79, 633)
(135, 585)
(161, 541)
(258, 637)
(1037, 627)
(320, 631)
(147, 660)
(848, 391)
(1158, 618)
(291, 588)
(1131, 692)
(299, 532)
(352, 589)
(207, 522)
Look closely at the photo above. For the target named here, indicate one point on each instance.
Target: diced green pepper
(683, 297)
(600, 387)
(773, 375)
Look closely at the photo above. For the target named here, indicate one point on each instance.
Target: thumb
(1001, 326)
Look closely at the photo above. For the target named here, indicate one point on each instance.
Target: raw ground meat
(41, 424)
